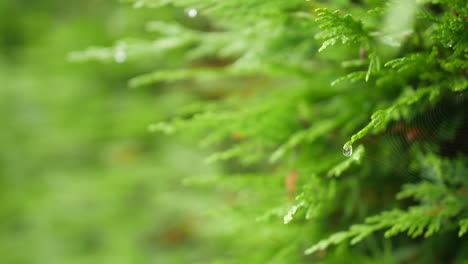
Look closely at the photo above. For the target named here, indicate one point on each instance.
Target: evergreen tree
(338, 130)
(293, 82)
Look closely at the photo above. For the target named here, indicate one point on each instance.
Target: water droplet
(192, 12)
(120, 56)
(348, 151)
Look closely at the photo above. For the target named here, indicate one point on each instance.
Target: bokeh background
(81, 178)
(83, 84)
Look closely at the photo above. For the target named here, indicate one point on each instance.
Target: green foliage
(277, 91)
(438, 204)
(276, 113)
(336, 27)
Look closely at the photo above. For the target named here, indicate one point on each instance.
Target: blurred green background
(82, 180)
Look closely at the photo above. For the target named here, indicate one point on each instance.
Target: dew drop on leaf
(192, 12)
(348, 151)
(120, 56)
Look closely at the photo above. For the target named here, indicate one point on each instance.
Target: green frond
(335, 26)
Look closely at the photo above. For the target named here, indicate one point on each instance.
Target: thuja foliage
(286, 88)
